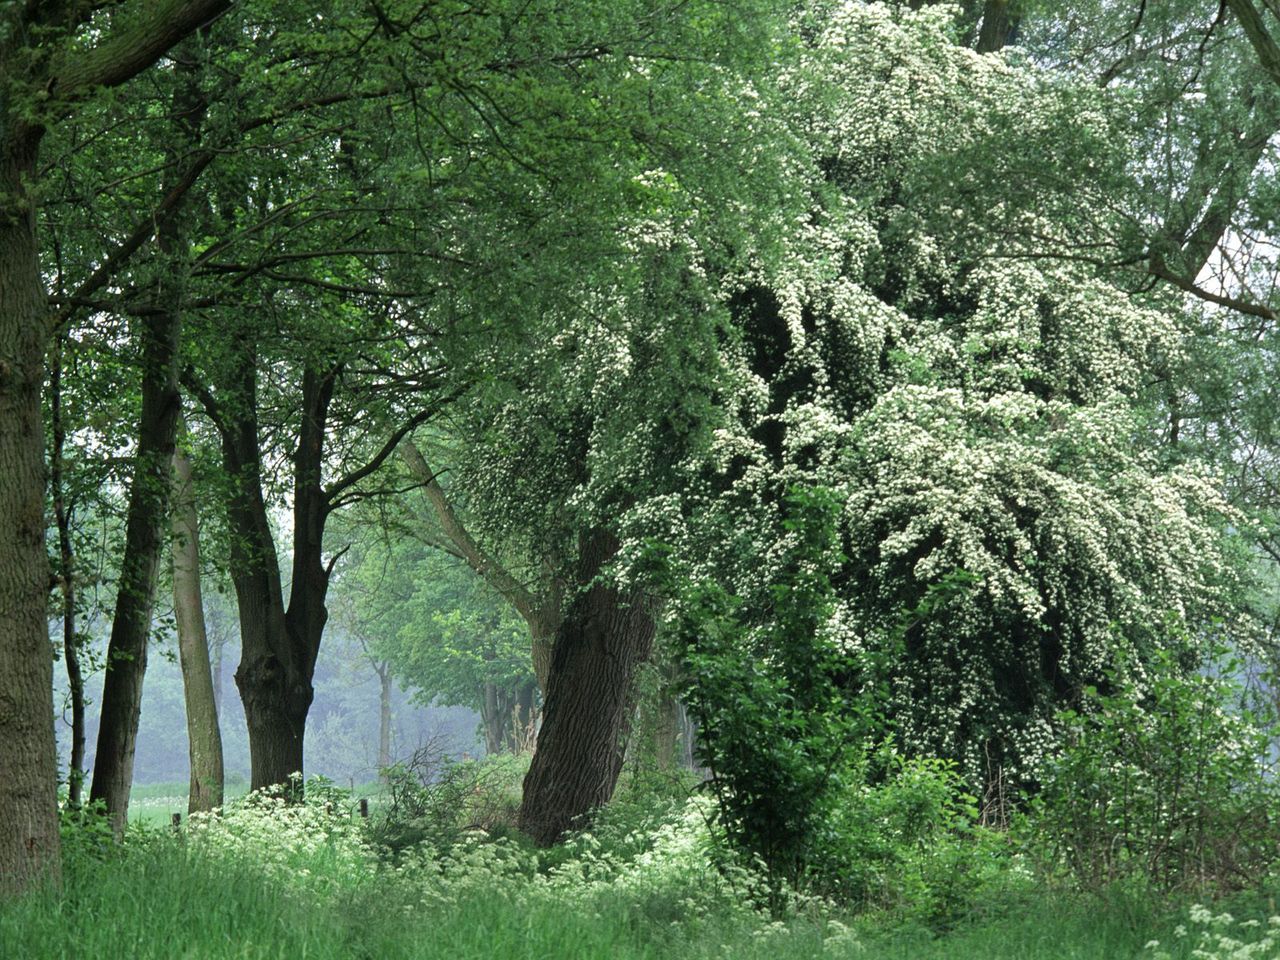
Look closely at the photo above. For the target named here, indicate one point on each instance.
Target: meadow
(265, 879)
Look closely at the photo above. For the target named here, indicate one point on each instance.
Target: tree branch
(485, 566)
(126, 52)
(336, 489)
(1157, 268)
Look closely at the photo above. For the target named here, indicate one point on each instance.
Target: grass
(165, 896)
(164, 902)
(153, 804)
(266, 880)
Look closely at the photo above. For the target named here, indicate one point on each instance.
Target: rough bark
(204, 739)
(605, 635)
(52, 78)
(542, 642)
(29, 841)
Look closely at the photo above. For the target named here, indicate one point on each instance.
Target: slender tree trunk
(148, 512)
(604, 637)
(218, 645)
(492, 720)
(384, 716)
(29, 839)
(66, 576)
(523, 717)
(204, 740)
(140, 567)
(666, 730)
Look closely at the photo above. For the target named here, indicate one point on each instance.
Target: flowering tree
(980, 408)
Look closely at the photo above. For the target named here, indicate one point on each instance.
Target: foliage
(1170, 780)
(973, 405)
(271, 882)
(911, 844)
(1219, 936)
(444, 633)
(777, 726)
(435, 800)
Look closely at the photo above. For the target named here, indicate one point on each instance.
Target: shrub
(434, 799)
(765, 688)
(911, 843)
(1168, 781)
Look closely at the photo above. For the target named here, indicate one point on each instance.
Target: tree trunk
(1000, 21)
(384, 716)
(524, 718)
(219, 644)
(275, 692)
(492, 720)
(666, 729)
(62, 513)
(145, 526)
(543, 638)
(278, 646)
(140, 567)
(29, 839)
(605, 635)
(204, 740)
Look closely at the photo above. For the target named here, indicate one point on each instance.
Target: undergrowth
(653, 879)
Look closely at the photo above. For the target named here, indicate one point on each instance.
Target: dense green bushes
(1171, 782)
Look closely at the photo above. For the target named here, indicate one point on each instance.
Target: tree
(421, 616)
(48, 64)
(204, 741)
(151, 484)
(539, 603)
(979, 405)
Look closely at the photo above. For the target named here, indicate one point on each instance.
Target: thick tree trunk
(29, 840)
(278, 646)
(604, 637)
(1000, 21)
(66, 575)
(204, 740)
(276, 693)
(543, 639)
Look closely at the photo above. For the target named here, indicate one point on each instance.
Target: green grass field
(161, 901)
(305, 882)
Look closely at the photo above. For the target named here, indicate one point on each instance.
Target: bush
(912, 844)
(1170, 782)
(435, 799)
(765, 688)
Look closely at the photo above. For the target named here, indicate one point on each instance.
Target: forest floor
(304, 882)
